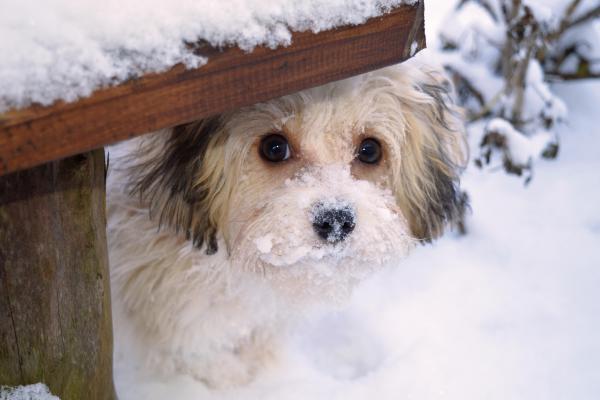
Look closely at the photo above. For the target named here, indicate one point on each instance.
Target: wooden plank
(230, 79)
(55, 315)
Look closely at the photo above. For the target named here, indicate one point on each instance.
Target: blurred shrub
(502, 55)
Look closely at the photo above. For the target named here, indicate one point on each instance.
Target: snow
(522, 149)
(37, 391)
(510, 311)
(471, 23)
(264, 244)
(488, 85)
(290, 244)
(473, 39)
(414, 46)
(64, 49)
(585, 38)
(542, 12)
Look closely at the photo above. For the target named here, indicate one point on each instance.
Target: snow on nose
(333, 221)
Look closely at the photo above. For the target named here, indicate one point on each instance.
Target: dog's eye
(369, 151)
(275, 148)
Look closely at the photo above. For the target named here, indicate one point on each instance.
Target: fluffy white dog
(221, 229)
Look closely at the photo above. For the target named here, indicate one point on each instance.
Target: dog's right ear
(176, 176)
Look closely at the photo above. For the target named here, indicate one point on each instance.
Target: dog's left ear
(179, 175)
(433, 152)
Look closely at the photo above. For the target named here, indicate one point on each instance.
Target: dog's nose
(333, 222)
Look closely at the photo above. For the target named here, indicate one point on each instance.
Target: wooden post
(55, 318)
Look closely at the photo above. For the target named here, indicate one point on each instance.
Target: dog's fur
(212, 247)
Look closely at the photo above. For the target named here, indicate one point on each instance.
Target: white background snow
(510, 311)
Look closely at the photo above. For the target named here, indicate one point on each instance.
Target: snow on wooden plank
(230, 79)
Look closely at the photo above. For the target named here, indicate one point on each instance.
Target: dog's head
(337, 178)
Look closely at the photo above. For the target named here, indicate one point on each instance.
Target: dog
(223, 230)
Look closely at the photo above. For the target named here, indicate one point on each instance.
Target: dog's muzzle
(333, 222)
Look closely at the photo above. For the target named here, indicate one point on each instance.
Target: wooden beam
(230, 79)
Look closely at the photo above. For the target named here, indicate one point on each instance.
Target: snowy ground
(511, 311)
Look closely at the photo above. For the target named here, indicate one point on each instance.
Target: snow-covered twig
(588, 16)
(562, 76)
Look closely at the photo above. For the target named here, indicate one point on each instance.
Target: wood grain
(55, 315)
(229, 80)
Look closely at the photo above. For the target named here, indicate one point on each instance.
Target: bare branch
(518, 82)
(567, 23)
(489, 8)
(568, 13)
(487, 108)
(561, 76)
(591, 14)
(514, 11)
(571, 9)
(510, 45)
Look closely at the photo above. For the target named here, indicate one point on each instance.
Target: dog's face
(318, 186)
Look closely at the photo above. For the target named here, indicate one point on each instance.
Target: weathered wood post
(55, 318)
